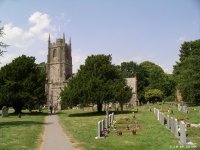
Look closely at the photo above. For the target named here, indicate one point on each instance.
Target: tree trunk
(18, 110)
(99, 107)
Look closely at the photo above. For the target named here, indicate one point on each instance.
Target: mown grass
(23, 133)
(150, 136)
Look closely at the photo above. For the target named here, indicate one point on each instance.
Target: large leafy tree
(156, 78)
(96, 82)
(187, 71)
(129, 69)
(149, 76)
(22, 84)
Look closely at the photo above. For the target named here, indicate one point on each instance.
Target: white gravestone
(162, 119)
(182, 133)
(172, 124)
(154, 110)
(107, 116)
(168, 122)
(176, 128)
(158, 112)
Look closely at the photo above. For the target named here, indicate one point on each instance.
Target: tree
(2, 45)
(22, 84)
(153, 95)
(186, 72)
(129, 69)
(96, 82)
(152, 76)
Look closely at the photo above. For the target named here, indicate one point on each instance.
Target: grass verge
(21, 133)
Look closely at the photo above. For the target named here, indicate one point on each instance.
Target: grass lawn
(23, 133)
(150, 136)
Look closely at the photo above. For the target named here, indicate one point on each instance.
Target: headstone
(133, 114)
(99, 128)
(184, 108)
(112, 118)
(176, 128)
(102, 125)
(172, 124)
(109, 120)
(107, 116)
(4, 111)
(168, 122)
(158, 112)
(179, 107)
(160, 117)
(162, 121)
(154, 111)
(182, 133)
(99, 131)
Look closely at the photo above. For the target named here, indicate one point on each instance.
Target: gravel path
(54, 137)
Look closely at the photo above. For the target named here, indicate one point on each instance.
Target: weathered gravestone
(162, 121)
(99, 131)
(176, 128)
(102, 125)
(179, 107)
(172, 124)
(182, 133)
(107, 116)
(158, 113)
(168, 122)
(154, 111)
(112, 118)
(4, 111)
(109, 120)
(184, 108)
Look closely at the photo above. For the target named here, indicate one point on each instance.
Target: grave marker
(4, 111)
(182, 133)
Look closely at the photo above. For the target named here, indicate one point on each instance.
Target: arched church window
(54, 53)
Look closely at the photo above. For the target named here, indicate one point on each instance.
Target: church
(58, 69)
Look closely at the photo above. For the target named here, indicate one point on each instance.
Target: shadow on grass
(21, 123)
(89, 114)
(30, 114)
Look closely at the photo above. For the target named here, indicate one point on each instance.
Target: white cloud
(31, 41)
(21, 38)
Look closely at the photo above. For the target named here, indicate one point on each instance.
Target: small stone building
(132, 82)
(58, 70)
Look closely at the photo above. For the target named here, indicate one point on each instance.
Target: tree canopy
(149, 76)
(187, 71)
(96, 82)
(22, 84)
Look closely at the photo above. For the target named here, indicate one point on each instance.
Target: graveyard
(137, 128)
(82, 126)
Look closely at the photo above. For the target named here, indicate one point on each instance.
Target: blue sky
(130, 30)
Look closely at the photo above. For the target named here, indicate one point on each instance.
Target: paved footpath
(54, 137)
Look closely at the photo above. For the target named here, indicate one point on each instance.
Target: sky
(129, 30)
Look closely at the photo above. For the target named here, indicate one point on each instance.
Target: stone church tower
(58, 69)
